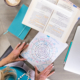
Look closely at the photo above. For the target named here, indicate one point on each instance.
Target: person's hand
(44, 74)
(14, 55)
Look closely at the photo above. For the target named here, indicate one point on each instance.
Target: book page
(43, 50)
(39, 13)
(53, 1)
(59, 26)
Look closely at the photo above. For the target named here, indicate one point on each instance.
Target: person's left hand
(14, 55)
(44, 74)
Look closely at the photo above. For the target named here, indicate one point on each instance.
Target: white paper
(43, 50)
(53, 1)
(39, 14)
(59, 21)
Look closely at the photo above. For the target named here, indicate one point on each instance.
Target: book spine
(22, 31)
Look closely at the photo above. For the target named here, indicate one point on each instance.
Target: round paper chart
(42, 50)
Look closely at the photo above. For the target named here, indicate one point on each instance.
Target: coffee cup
(12, 2)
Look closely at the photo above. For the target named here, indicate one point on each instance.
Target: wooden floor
(7, 15)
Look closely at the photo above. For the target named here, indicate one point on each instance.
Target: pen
(67, 53)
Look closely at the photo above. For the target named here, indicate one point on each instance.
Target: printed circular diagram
(42, 50)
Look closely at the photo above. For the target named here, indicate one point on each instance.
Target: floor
(7, 15)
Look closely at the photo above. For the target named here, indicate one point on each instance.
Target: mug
(12, 3)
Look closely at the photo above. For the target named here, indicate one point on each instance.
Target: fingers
(20, 59)
(36, 72)
(48, 71)
(51, 73)
(26, 46)
(17, 46)
(21, 47)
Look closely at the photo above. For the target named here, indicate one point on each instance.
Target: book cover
(16, 27)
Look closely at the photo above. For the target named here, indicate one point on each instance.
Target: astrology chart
(42, 51)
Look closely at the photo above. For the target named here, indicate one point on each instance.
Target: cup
(12, 2)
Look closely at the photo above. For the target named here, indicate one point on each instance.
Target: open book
(55, 18)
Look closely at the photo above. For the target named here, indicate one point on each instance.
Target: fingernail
(54, 72)
(27, 43)
(19, 42)
(23, 42)
(35, 66)
(52, 65)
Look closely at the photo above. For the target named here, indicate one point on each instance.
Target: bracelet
(27, 74)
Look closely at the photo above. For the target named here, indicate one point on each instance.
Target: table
(7, 15)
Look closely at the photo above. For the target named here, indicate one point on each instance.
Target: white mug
(12, 2)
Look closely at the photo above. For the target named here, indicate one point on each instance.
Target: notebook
(73, 60)
(43, 50)
(16, 27)
(55, 18)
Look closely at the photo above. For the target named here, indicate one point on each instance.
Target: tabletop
(7, 14)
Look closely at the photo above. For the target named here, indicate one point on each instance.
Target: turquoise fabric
(19, 72)
(16, 27)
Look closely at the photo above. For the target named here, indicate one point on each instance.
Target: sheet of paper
(43, 50)
(38, 14)
(61, 20)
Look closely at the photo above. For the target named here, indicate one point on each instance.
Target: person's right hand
(14, 55)
(44, 74)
